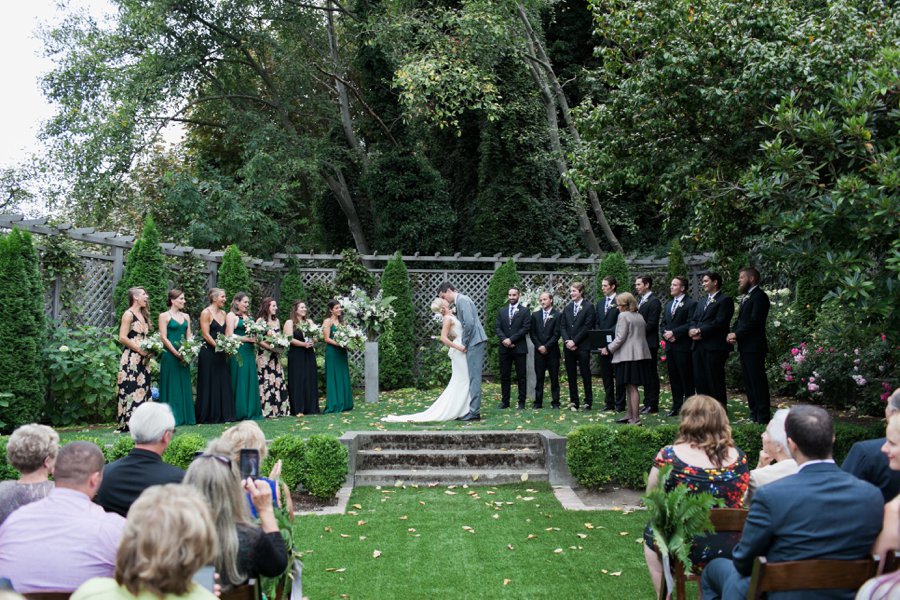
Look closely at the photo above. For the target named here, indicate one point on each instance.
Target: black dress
(215, 400)
(303, 378)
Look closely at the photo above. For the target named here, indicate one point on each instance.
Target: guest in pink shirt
(58, 543)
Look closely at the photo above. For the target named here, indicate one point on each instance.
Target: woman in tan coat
(630, 355)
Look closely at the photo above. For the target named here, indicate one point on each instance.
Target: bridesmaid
(338, 393)
(303, 376)
(134, 372)
(244, 378)
(174, 373)
(215, 399)
(272, 389)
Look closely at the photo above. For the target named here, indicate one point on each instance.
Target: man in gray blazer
(473, 338)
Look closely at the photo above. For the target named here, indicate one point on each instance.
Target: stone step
(427, 458)
(390, 477)
(439, 440)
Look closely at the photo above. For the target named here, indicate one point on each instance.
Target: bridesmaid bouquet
(152, 344)
(257, 329)
(311, 332)
(279, 342)
(349, 337)
(229, 345)
(189, 350)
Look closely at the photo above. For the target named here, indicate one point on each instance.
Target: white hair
(150, 421)
(894, 401)
(775, 429)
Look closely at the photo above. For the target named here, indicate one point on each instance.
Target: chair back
(889, 562)
(48, 595)
(814, 574)
(246, 591)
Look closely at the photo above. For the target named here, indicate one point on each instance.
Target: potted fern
(676, 516)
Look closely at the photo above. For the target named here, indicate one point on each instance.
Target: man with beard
(749, 333)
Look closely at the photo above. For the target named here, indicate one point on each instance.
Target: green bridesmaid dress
(244, 379)
(338, 393)
(175, 377)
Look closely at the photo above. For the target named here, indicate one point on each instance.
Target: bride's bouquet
(256, 329)
(152, 344)
(190, 350)
(278, 341)
(349, 337)
(370, 313)
(311, 332)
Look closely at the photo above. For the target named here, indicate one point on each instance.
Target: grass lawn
(512, 541)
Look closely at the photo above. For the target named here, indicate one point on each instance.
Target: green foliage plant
(613, 264)
(191, 276)
(325, 465)
(61, 265)
(82, 364)
(22, 331)
(7, 472)
(120, 448)
(291, 288)
(233, 274)
(352, 272)
(145, 267)
(505, 277)
(677, 267)
(183, 448)
(397, 354)
(290, 450)
(433, 368)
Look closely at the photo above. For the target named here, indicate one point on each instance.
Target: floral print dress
(134, 377)
(273, 391)
(728, 483)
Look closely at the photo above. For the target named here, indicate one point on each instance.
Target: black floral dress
(134, 377)
(728, 483)
(273, 391)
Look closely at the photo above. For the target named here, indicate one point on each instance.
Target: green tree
(22, 331)
(351, 271)
(234, 276)
(145, 267)
(613, 264)
(677, 267)
(505, 277)
(191, 276)
(292, 287)
(397, 357)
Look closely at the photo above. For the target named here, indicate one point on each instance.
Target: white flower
(63, 348)
(777, 323)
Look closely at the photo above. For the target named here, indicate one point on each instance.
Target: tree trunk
(341, 191)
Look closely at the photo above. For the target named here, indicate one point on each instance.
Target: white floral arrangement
(278, 341)
(152, 344)
(310, 330)
(228, 344)
(255, 329)
(370, 314)
(531, 299)
(349, 337)
(190, 350)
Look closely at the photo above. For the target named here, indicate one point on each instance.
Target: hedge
(601, 454)
(318, 464)
(233, 275)
(145, 267)
(397, 357)
(505, 277)
(613, 265)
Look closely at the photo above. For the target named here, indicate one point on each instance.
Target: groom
(473, 338)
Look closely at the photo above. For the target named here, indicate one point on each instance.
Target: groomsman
(709, 330)
(544, 334)
(650, 308)
(749, 333)
(574, 328)
(607, 315)
(511, 328)
(676, 321)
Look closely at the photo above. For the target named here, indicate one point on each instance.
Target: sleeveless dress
(133, 381)
(272, 389)
(454, 400)
(728, 483)
(175, 377)
(215, 399)
(338, 392)
(244, 379)
(303, 378)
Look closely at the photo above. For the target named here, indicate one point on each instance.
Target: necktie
(546, 317)
(575, 311)
(674, 306)
(511, 313)
(609, 303)
(641, 303)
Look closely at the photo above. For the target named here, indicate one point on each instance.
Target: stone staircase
(454, 457)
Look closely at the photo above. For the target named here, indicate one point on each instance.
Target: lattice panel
(323, 276)
(96, 293)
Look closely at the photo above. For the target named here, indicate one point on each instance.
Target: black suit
(577, 328)
(516, 330)
(866, 461)
(750, 329)
(678, 353)
(606, 319)
(125, 479)
(711, 350)
(650, 309)
(547, 336)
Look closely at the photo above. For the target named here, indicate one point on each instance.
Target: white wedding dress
(454, 400)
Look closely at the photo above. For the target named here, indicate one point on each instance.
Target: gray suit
(473, 338)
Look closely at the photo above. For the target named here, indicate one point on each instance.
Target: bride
(454, 401)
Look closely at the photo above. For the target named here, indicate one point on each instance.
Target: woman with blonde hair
(168, 536)
(705, 459)
(303, 373)
(31, 450)
(630, 355)
(247, 435)
(133, 382)
(215, 398)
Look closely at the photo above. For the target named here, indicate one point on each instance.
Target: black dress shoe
(537, 406)
(520, 407)
(672, 413)
(555, 406)
(503, 405)
(609, 409)
(470, 417)
(649, 410)
(623, 420)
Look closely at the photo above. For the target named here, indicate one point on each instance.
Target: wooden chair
(730, 520)
(889, 563)
(824, 574)
(48, 595)
(247, 591)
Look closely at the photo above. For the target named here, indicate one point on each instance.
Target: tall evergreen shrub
(397, 354)
(614, 264)
(292, 288)
(145, 267)
(234, 276)
(351, 271)
(22, 331)
(677, 266)
(506, 276)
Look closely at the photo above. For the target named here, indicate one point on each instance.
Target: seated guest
(58, 543)
(821, 512)
(248, 435)
(169, 535)
(886, 587)
(705, 459)
(152, 426)
(868, 462)
(244, 550)
(775, 460)
(889, 538)
(31, 450)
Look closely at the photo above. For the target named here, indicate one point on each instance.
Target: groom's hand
(464, 349)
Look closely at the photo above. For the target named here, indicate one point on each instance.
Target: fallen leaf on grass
(360, 523)
(489, 492)
(581, 535)
(509, 547)
(616, 573)
(411, 530)
(531, 536)
(623, 533)
(362, 538)
(357, 506)
(449, 493)
(495, 516)
(469, 529)
(506, 582)
(328, 529)
(376, 553)
(558, 551)
(475, 478)
(524, 477)
(352, 512)
(422, 502)
(403, 518)
(588, 526)
(335, 570)
(344, 535)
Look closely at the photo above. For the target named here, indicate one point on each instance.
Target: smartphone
(249, 463)
(205, 577)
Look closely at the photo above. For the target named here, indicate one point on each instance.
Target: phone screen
(249, 463)
(205, 577)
